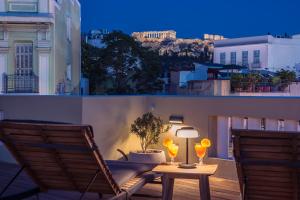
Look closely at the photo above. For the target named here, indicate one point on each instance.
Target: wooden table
(170, 172)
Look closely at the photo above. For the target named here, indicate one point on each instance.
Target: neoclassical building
(40, 46)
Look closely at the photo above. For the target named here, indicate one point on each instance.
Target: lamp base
(187, 166)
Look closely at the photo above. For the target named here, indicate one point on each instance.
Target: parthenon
(154, 35)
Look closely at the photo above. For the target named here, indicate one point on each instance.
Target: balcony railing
(20, 83)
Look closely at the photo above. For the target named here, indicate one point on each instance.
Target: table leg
(204, 187)
(168, 185)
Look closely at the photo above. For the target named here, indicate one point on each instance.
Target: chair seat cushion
(123, 171)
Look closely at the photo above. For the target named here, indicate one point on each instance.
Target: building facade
(260, 52)
(95, 37)
(213, 37)
(40, 46)
(154, 36)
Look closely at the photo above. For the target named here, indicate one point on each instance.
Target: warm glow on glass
(200, 150)
(206, 143)
(173, 150)
(167, 142)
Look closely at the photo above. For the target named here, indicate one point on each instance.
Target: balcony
(111, 117)
(20, 84)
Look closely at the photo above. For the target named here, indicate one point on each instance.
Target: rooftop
(257, 40)
(111, 117)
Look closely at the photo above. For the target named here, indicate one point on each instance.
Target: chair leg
(12, 180)
(89, 184)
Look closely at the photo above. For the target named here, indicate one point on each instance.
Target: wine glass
(172, 151)
(201, 151)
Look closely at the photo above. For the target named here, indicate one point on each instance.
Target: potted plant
(148, 128)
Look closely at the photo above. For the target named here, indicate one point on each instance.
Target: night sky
(192, 18)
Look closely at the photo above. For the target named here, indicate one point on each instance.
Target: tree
(92, 67)
(148, 128)
(146, 78)
(130, 67)
(286, 78)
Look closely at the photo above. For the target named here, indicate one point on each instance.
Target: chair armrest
(123, 154)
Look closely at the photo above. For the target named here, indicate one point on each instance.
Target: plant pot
(152, 156)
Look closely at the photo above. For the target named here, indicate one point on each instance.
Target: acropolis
(153, 36)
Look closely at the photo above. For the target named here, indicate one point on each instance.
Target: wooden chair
(65, 157)
(267, 164)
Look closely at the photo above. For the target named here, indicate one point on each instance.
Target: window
(256, 57)
(280, 125)
(233, 58)
(223, 58)
(263, 124)
(245, 123)
(69, 28)
(24, 59)
(245, 58)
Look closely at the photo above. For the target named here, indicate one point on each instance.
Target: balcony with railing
(20, 83)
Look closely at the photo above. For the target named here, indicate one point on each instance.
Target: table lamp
(187, 132)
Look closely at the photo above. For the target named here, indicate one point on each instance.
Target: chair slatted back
(59, 156)
(267, 164)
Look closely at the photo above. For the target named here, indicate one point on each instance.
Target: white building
(260, 52)
(40, 46)
(95, 37)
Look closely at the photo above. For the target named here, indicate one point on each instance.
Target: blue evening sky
(193, 18)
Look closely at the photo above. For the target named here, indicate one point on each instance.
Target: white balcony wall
(237, 122)
(254, 124)
(222, 136)
(290, 125)
(272, 124)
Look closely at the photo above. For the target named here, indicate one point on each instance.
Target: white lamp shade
(187, 132)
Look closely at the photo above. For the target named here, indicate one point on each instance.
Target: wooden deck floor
(221, 189)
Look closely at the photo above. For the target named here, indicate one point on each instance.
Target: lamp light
(176, 119)
(187, 132)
